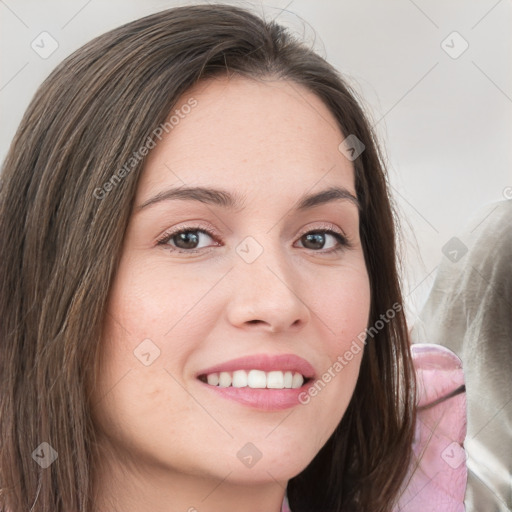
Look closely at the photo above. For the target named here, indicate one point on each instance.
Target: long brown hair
(61, 244)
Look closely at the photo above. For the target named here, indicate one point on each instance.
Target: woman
(200, 304)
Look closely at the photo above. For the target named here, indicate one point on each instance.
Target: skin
(167, 443)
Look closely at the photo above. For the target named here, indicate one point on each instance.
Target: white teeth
(288, 379)
(213, 379)
(297, 381)
(257, 379)
(275, 380)
(224, 379)
(239, 379)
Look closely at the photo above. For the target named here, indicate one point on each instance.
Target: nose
(267, 295)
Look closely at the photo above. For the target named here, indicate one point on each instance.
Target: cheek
(343, 312)
(156, 299)
(146, 316)
(343, 307)
(139, 399)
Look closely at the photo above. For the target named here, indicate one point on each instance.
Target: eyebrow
(228, 200)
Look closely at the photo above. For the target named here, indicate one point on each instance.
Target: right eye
(185, 239)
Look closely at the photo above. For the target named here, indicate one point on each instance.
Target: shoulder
(438, 473)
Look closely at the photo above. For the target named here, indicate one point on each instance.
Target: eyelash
(343, 241)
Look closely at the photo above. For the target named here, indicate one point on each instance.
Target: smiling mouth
(255, 379)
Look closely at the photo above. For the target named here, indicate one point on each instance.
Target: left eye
(318, 238)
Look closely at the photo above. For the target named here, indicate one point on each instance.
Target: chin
(277, 468)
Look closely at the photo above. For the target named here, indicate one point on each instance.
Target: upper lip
(264, 362)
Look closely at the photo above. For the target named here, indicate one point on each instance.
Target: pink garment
(438, 483)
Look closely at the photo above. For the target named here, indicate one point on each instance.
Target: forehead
(270, 136)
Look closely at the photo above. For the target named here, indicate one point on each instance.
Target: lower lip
(262, 398)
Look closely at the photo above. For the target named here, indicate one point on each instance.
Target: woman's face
(206, 278)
